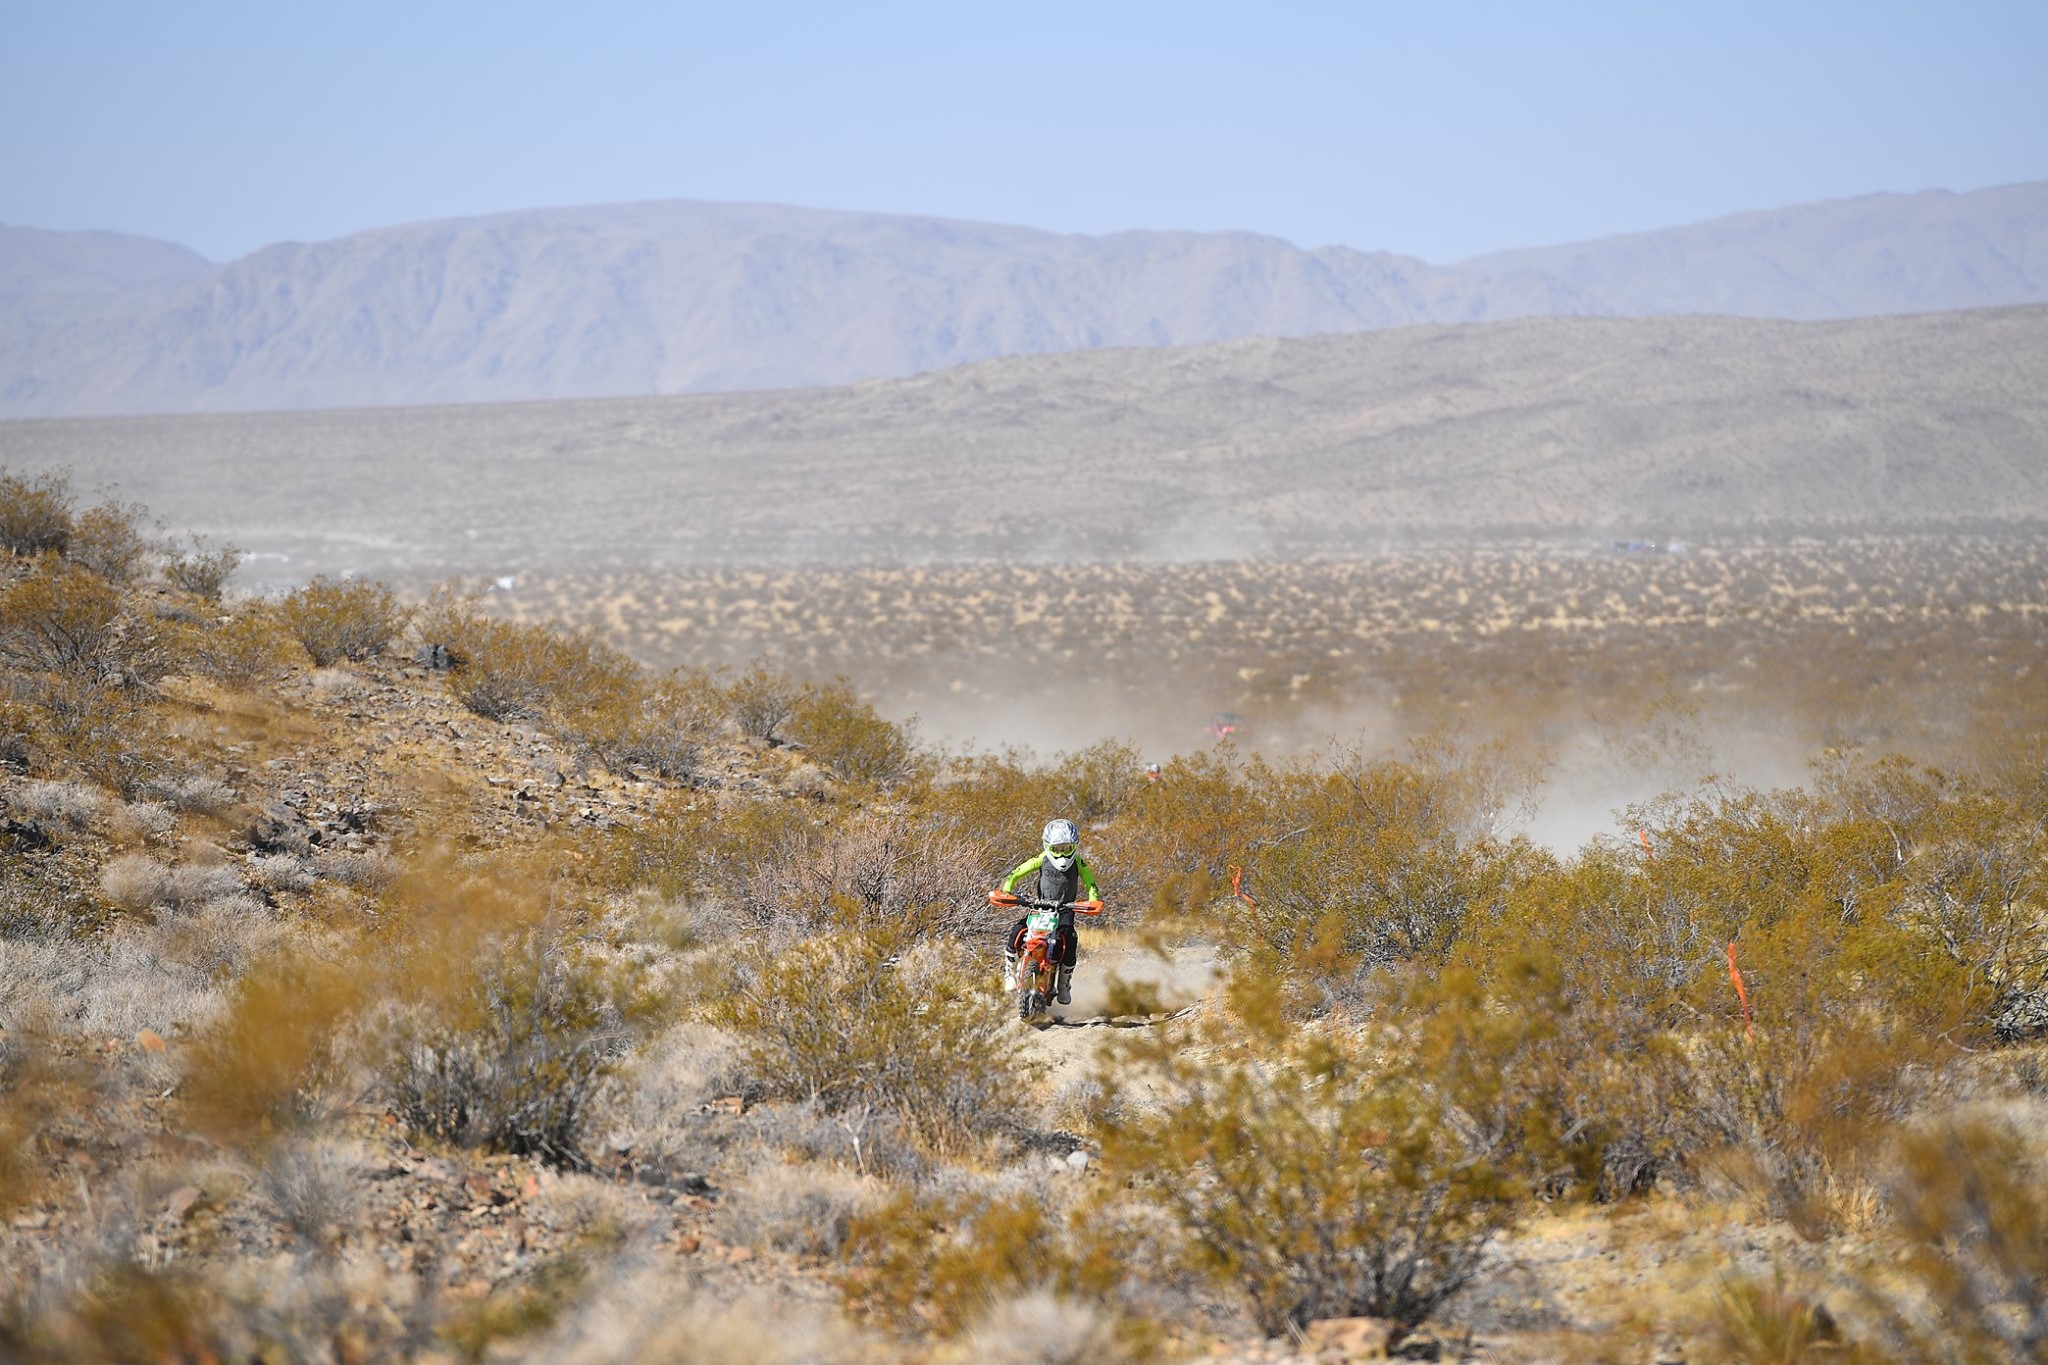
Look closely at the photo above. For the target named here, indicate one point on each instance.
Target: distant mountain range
(1576, 429)
(669, 298)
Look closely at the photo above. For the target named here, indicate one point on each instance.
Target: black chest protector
(1055, 885)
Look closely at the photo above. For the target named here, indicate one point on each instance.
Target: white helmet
(1062, 844)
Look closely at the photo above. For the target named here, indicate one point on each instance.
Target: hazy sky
(1439, 129)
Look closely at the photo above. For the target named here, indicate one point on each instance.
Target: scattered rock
(181, 1202)
(1350, 1338)
(2024, 1017)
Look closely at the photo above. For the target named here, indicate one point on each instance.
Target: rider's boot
(1062, 986)
(1009, 971)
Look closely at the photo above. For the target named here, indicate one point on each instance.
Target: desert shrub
(221, 937)
(59, 807)
(1560, 1086)
(339, 620)
(661, 725)
(670, 854)
(239, 652)
(874, 874)
(1041, 1328)
(281, 872)
(781, 866)
(1314, 1182)
(933, 1263)
(1002, 799)
(17, 725)
(590, 693)
(368, 872)
(191, 887)
(505, 670)
(1976, 892)
(312, 1186)
(1762, 1319)
(35, 512)
(1797, 1114)
(35, 905)
(846, 737)
(1968, 1197)
(193, 793)
(277, 1058)
(201, 569)
(762, 701)
(1625, 1028)
(42, 1084)
(104, 733)
(77, 626)
(803, 1210)
(124, 1311)
(1201, 815)
(1372, 869)
(657, 1108)
(108, 540)
(514, 1059)
(870, 1141)
(133, 881)
(141, 822)
(638, 1313)
(1038, 1327)
(833, 1021)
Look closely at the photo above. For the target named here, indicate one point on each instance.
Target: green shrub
(848, 739)
(690, 848)
(1563, 1087)
(504, 670)
(1002, 800)
(203, 570)
(1968, 1198)
(82, 662)
(105, 733)
(835, 1021)
(590, 693)
(762, 702)
(1365, 861)
(936, 1264)
(35, 512)
(514, 1058)
(338, 620)
(1205, 812)
(660, 725)
(108, 540)
(277, 1058)
(892, 880)
(67, 622)
(1317, 1184)
(238, 652)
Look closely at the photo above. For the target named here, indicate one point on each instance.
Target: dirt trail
(1069, 1046)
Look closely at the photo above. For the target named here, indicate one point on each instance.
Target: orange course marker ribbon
(1237, 886)
(1742, 994)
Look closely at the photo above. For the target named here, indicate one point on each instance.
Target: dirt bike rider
(1062, 875)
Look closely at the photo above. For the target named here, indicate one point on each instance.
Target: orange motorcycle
(1033, 977)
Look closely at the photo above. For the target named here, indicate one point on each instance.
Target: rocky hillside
(386, 982)
(684, 297)
(1670, 428)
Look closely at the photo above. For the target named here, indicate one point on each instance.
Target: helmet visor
(1065, 850)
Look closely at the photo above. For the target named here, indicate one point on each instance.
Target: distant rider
(1062, 876)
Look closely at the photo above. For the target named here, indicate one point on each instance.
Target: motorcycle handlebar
(1010, 898)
